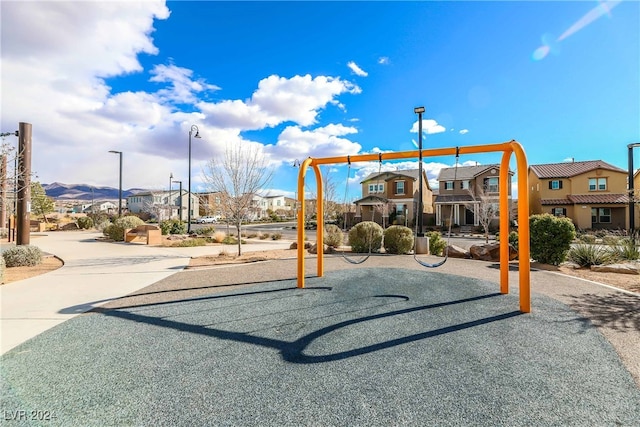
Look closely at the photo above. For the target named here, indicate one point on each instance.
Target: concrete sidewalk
(94, 273)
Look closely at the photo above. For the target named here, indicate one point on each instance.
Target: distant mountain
(61, 191)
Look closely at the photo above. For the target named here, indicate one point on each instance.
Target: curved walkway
(383, 343)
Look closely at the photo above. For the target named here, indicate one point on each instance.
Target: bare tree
(487, 209)
(239, 175)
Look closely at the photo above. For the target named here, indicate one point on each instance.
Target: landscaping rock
(490, 252)
(617, 268)
(70, 226)
(457, 252)
(313, 249)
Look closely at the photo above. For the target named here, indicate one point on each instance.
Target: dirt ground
(629, 282)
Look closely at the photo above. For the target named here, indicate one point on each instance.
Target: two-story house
(164, 204)
(390, 195)
(592, 193)
(465, 192)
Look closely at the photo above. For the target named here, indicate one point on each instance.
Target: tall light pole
(632, 218)
(197, 135)
(120, 187)
(169, 199)
(419, 111)
(179, 199)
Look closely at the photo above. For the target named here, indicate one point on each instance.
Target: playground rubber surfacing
(364, 346)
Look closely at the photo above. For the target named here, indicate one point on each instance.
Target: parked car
(206, 220)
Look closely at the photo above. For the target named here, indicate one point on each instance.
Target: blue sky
(301, 79)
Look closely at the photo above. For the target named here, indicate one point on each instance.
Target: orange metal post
(504, 223)
(301, 213)
(524, 262)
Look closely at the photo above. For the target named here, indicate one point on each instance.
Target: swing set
(507, 149)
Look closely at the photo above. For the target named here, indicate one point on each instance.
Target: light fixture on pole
(179, 199)
(419, 111)
(197, 135)
(120, 185)
(632, 218)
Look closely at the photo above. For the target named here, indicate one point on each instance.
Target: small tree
(239, 175)
(41, 204)
(551, 238)
(487, 209)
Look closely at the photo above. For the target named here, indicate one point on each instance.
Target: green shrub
(173, 226)
(628, 249)
(276, 236)
(436, 243)
(551, 238)
(21, 256)
(587, 238)
(333, 236)
(85, 222)
(115, 231)
(187, 243)
(204, 231)
(102, 225)
(365, 236)
(513, 239)
(586, 255)
(398, 239)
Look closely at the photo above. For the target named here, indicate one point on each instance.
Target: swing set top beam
(432, 152)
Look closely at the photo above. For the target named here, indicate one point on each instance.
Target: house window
(217, 200)
(399, 187)
(279, 203)
(559, 212)
(376, 188)
(465, 184)
(597, 184)
(555, 184)
(448, 185)
(601, 215)
(491, 185)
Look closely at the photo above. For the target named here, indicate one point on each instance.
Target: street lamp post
(169, 199)
(632, 218)
(120, 181)
(179, 198)
(419, 111)
(197, 135)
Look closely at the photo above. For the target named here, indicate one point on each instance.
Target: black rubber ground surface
(357, 347)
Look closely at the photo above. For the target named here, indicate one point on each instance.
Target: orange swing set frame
(507, 149)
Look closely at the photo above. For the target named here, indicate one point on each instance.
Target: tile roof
(569, 169)
(454, 198)
(385, 175)
(588, 199)
(465, 172)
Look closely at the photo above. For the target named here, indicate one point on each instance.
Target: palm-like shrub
(551, 238)
(23, 255)
(628, 248)
(586, 255)
(115, 231)
(398, 239)
(365, 236)
(436, 243)
(333, 236)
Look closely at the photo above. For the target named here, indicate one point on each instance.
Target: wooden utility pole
(23, 220)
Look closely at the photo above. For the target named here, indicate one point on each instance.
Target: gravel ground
(373, 344)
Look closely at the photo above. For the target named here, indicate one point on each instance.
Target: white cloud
(464, 131)
(356, 69)
(383, 60)
(183, 88)
(429, 126)
(296, 143)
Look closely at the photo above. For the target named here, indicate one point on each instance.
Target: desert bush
(276, 236)
(115, 231)
(188, 243)
(204, 231)
(551, 238)
(587, 238)
(436, 243)
(3, 265)
(173, 226)
(611, 240)
(365, 236)
(628, 248)
(21, 256)
(586, 255)
(264, 236)
(85, 222)
(333, 236)
(398, 239)
(219, 236)
(513, 239)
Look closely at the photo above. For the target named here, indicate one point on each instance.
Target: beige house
(592, 193)
(393, 196)
(467, 190)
